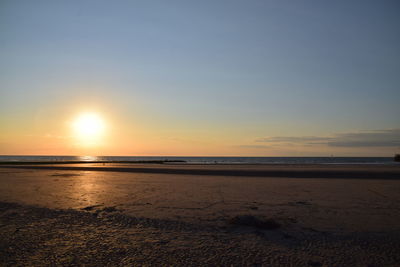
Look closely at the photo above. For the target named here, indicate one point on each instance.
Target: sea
(210, 160)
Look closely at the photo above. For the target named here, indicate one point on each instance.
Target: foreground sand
(86, 216)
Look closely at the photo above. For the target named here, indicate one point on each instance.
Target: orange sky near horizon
(54, 133)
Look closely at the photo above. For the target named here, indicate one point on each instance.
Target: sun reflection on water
(87, 158)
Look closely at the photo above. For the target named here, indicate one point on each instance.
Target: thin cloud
(294, 139)
(378, 138)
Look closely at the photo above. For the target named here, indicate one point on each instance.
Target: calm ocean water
(215, 160)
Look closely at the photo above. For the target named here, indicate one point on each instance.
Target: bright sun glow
(88, 127)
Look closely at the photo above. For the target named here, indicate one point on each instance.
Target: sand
(178, 214)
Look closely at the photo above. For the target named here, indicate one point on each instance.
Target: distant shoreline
(194, 160)
(88, 162)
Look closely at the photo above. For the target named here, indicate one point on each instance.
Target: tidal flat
(196, 215)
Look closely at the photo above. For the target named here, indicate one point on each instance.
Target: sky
(200, 78)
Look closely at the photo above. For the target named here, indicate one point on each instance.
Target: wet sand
(178, 214)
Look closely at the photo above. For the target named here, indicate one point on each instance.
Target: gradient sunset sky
(205, 78)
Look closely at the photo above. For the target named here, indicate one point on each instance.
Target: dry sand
(182, 215)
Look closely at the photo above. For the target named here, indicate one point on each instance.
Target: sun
(88, 127)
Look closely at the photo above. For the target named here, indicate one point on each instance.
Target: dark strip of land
(245, 171)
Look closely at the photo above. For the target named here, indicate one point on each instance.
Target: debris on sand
(110, 209)
(252, 221)
(299, 203)
(303, 203)
(89, 208)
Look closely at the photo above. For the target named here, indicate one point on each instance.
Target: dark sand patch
(252, 221)
(110, 209)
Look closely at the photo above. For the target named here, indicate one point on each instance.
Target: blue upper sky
(268, 68)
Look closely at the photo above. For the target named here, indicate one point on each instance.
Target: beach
(192, 214)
